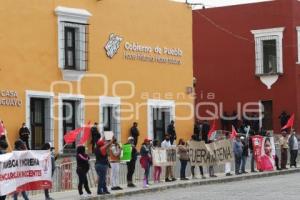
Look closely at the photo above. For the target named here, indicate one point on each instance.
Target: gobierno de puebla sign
(9, 98)
(140, 52)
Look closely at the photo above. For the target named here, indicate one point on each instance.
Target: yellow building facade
(67, 62)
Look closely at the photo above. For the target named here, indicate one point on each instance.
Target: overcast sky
(218, 3)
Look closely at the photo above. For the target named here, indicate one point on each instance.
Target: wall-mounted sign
(146, 53)
(9, 98)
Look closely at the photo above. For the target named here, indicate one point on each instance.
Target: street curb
(192, 183)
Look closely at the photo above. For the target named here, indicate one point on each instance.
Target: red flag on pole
(212, 129)
(86, 134)
(290, 122)
(70, 136)
(233, 133)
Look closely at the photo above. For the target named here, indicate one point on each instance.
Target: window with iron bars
(74, 46)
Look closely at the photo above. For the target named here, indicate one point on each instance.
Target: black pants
(83, 181)
(293, 157)
(2, 197)
(130, 170)
(182, 168)
(193, 170)
(252, 162)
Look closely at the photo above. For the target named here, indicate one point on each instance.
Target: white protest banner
(24, 171)
(164, 157)
(215, 153)
(108, 135)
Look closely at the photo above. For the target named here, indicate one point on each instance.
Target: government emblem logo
(112, 45)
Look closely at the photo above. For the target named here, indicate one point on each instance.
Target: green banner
(126, 152)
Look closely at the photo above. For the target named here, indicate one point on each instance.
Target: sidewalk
(73, 194)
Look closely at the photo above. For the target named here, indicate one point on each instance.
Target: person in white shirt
(169, 170)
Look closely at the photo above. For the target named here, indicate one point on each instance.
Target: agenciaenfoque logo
(113, 44)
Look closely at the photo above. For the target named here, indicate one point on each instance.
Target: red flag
(86, 134)
(290, 122)
(70, 136)
(233, 133)
(212, 129)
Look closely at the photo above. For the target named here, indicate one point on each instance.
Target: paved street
(271, 188)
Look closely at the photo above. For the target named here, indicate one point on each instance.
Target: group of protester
(108, 155)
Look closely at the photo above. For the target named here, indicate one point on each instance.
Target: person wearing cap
(20, 146)
(131, 163)
(146, 161)
(3, 147)
(283, 142)
(102, 165)
(169, 170)
(95, 136)
(237, 150)
(115, 155)
(47, 146)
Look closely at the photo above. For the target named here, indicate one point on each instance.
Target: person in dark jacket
(131, 163)
(245, 154)
(24, 135)
(83, 167)
(95, 136)
(3, 147)
(197, 128)
(47, 146)
(205, 130)
(134, 132)
(172, 132)
(102, 165)
(20, 146)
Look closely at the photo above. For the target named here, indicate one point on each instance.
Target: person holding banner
(24, 135)
(157, 169)
(146, 160)
(267, 160)
(115, 153)
(169, 170)
(102, 165)
(3, 147)
(183, 157)
(131, 163)
(47, 146)
(95, 136)
(198, 139)
(20, 146)
(83, 167)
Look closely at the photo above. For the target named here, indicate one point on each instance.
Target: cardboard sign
(215, 153)
(164, 157)
(108, 135)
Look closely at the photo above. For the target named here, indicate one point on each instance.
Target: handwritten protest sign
(202, 154)
(108, 135)
(164, 157)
